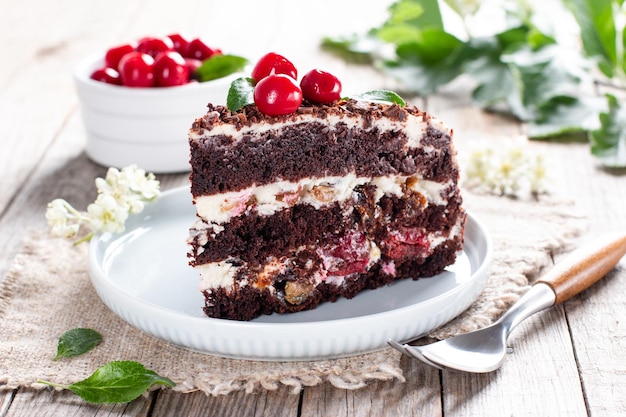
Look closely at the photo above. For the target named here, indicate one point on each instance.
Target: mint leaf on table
(115, 382)
(240, 93)
(77, 341)
(219, 66)
(609, 141)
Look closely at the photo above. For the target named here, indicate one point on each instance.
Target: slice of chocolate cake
(300, 209)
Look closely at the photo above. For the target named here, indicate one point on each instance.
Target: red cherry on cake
(408, 242)
(320, 87)
(154, 46)
(273, 62)
(349, 254)
(113, 56)
(107, 75)
(137, 70)
(170, 69)
(197, 49)
(277, 94)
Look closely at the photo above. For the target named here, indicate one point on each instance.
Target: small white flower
(129, 187)
(61, 219)
(509, 168)
(106, 215)
(140, 183)
(120, 193)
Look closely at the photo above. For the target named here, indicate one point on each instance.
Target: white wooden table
(568, 361)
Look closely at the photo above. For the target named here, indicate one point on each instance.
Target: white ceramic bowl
(143, 126)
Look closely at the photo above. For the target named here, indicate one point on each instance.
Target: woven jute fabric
(47, 291)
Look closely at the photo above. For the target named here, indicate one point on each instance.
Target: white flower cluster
(119, 194)
(507, 168)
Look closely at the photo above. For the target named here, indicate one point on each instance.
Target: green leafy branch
(521, 70)
(603, 34)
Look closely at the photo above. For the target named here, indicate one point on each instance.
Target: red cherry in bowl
(113, 55)
(137, 70)
(273, 62)
(170, 69)
(154, 46)
(192, 66)
(197, 49)
(107, 75)
(277, 94)
(181, 44)
(320, 87)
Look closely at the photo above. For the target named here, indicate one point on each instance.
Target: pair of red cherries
(277, 92)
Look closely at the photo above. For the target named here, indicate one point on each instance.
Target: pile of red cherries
(276, 91)
(154, 62)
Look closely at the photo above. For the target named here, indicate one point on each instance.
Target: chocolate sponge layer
(314, 149)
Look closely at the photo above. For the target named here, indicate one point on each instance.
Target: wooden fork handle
(585, 266)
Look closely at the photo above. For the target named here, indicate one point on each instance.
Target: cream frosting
(414, 127)
(318, 192)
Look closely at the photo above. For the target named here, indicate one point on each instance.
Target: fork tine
(397, 346)
(412, 351)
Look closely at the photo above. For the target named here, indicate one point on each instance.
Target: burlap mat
(47, 291)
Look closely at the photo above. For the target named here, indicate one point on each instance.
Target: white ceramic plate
(143, 276)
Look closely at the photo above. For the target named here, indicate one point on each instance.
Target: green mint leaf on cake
(115, 382)
(219, 66)
(240, 94)
(380, 95)
(77, 341)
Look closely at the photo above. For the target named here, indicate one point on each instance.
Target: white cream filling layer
(216, 275)
(318, 192)
(414, 126)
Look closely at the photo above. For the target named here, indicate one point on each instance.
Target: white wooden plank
(51, 403)
(420, 395)
(538, 378)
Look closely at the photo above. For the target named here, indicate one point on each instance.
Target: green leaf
(565, 116)
(464, 7)
(116, 382)
(381, 95)
(75, 342)
(408, 18)
(355, 49)
(417, 13)
(499, 84)
(545, 74)
(608, 143)
(430, 61)
(598, 32)
(219, 66)
(240, 93)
